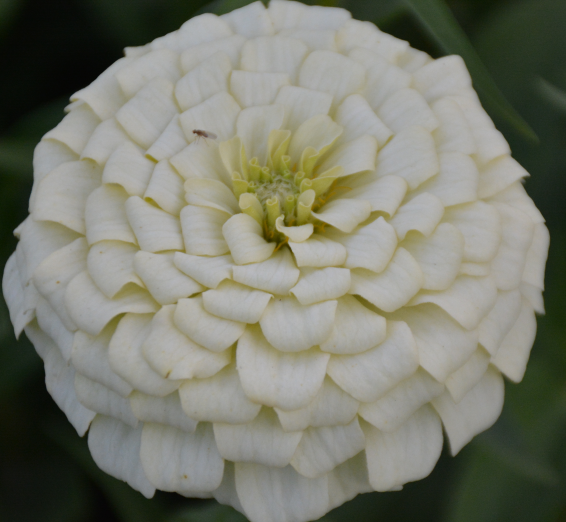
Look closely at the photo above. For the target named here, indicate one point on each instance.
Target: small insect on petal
(204, 134)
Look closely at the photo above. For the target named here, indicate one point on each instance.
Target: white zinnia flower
(280, 315)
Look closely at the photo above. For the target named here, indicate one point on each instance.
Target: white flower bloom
(270, 254)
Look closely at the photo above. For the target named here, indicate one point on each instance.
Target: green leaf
(8, 11)
(212, 512)
(552, 94)
(437, 19)
(380, 13)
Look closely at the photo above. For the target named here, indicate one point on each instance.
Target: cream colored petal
(162, 410)
(271, 494)
(126, 357)
(166, 188)
(200, 160)
(171, 141)
(358, 118)
(466, 377)
(393, 409)
(105, 216)
(286, 15)
(208, 271)
(226, 492)
(256, 88)
(355, 33)
(315, 285)
(202, 29)
(162, 279)
(100, 399)
(439, 255)
(405, 455)
(174, 356)
(322, 449)
(212, 332)
(348, 480)
(147, 114)
(354, 156)
(516, 196)
(286, 380)
(202, 231)
(115, 447)
(301, 105)
(480, 224)
(49, 154)
(90, 358)
(110, 264)
(292, 327)
(297, 234)
(514, 351)
(175, 460)
(105, 139)
(211, 193)
(254, 125)
(356, 329)
(261, 441)
(273, 55)
(331, 407)
(517, 232)
(475, 269)
(91, 310)
(411, 155)
(476, 412)
(12, 291)
(75, 129)
(276, 275)
(422, 213)
(392, 288)
(218, 399)
(230, 45)
(250, 21)
(453, 133)
(344, 214)
(163, 63)
(385, 194)
(217, 114)
(155, 229)
(406, 108)
(318, 251)
(61, 195)
(244, 237)
(457, 181)
(442, 77)
(468, 300)
(498, 175)
(443, 345)
(208, 78)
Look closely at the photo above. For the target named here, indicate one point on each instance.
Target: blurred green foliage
(516, 51)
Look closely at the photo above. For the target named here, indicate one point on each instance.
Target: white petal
(217, 114)
(244, 237)
(162, 410)
(292, 327)
(127, 166)
(496, 325)
(174, 356)
(147, 114)
(344, 214)
(276, 275)
(105, 139)
(513, 354)
(516, 196)
(321, 285)
(394, 408)
(202, 29)
(202, 230)
(256, 88)
(162, 279)
(105, 216)
(406, 108)
(348, 480)
(364, 34)
(297, 234)
(110, 264)
(385, 194)
(439, 255)
(369, 375)
(261, 441)
(175, 460)
(211, 193)
(91, 310)
(442, 77)
(405, 455)
(322, 449)
(115, 447)
(354, 156)
(218, 399)
(356, 329)
(333, 73)
(76, 128)
(49, 322)
(301, 105)
(166, 188)
(411, 155)
(466, 377)
(250, 21)
(272, 494)
(477, 411)
(422, 213)
(534, 296)
(226, 493)
(12, 291)
(61, 195)
(170, 142)
(318, 251)
(498, 175)
(442, 343)
(208, 271)
(206, 329)
(331, 407)
(230, 45)
(480, 225)
(286, 380)
(200, 160)
(286, 15)
(392, 288)
(454, 133)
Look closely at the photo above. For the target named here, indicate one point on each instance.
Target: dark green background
(514, 472)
